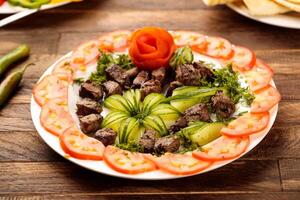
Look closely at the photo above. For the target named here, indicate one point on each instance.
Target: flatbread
(294, 1)
(218, 2)
(265, 7)
(292, 6)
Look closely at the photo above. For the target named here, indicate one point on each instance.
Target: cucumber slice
(117, 103)
(130, 97)
(113, 116)
(184, 90)
(155, 123)
(114, 123)
(167, 113)
(192, 128)
(207, 133)
(126, 127)
(152, 100)
(183, 104)
(135, 133)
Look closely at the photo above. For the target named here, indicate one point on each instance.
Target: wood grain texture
(290, 173)
(29, 169)
(69, 178)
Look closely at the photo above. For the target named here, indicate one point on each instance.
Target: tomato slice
(85, 53)
(259, 76)
(115, 41)
(265, 99)
(247, 124)
(179, 164)
(81, 146)
(223, 148)
(244, 59)
(195, 40)
(51, 87)
(55, 116)
(218, 48)
(127, 162)
(63, 67)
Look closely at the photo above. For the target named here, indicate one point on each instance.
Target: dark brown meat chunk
(91, 90)
(191, 74)
(180, 123)
(133, 72)
(167, 144)
(118, 74)
(173, 85)
(90, 123)
(222, 105)
(112, 87)
(141, 78)
(198, 112)
(147, 141)
(159, 74)
(106, 135)
(87, 106)
(151, 86)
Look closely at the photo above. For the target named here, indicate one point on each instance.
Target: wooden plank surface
(29, 169)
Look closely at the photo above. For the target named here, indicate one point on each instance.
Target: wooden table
(30, 169)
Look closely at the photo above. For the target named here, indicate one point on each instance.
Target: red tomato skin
(257, 111)
(204, 157)
(223, 57)
(176, 172)
(151, 166)
(74, 154)
(228, 133)
(251, 64)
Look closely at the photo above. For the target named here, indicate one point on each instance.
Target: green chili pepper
(29, 3)
(15, 55)
(10, 83)
(183, 55)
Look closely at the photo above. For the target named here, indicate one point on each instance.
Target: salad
(153, 99)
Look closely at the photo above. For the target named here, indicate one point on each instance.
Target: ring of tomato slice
(265, 99)
(217, 151)
(55, 116)
(179, 164)
(78, 145)
(51, 94)
(247, 124)
(127, 162)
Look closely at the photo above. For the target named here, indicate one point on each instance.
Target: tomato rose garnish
(151, 48)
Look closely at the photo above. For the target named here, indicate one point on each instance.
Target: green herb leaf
(131, 146)
(78, 81)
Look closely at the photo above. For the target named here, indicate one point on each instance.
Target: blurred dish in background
(284, 13)
(13, 6)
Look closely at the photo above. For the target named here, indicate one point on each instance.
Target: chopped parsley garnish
(106, 60)
(78, 81)
(131, 146)
(228, 79)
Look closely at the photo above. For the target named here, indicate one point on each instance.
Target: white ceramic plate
(288, 20)
(6, 8)
(102, 167)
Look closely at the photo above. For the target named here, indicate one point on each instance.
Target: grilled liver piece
(147, 141)
(167, 144)
(151, 86)
(222, 105)
(90, 123)
(131, 73)
(180, 123)
(90, 90)
(159, 74)
(112, 87)
(116, 73)
(191, 74)
(173, 85)
(198, 112)
(141, 78)
(88, 106)
(106, 135)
